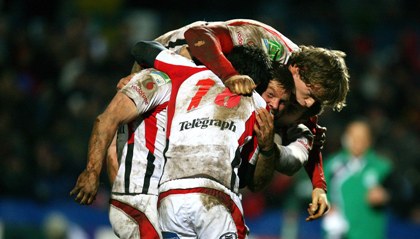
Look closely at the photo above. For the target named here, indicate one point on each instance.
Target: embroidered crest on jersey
(274, 49)
(148, 84)
(153, 80)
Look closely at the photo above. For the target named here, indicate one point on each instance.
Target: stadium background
(61, 60)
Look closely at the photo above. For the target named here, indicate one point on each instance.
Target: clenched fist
(240, 84)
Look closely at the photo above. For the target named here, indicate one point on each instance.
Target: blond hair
(326, 71)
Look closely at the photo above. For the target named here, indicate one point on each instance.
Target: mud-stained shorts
(201, 212)
(135, 216)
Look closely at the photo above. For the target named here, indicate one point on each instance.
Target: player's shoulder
(151, 75)
(147, 82)
(148, 89)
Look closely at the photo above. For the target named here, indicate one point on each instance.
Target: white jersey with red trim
(140, 143)
(254, 33)
(243, 32)
(207, 124)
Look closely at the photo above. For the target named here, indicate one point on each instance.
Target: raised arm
(208, 44)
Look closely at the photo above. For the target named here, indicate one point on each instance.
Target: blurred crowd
(60, 62)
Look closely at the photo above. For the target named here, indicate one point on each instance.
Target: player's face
(275, 96)
(303, 91)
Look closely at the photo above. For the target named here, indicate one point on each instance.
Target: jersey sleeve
(292, 157)
(208, 45)
(148, 89)
(314, 167)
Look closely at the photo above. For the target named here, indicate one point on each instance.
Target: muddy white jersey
(140, 143)
(254, 33)
(242, 32)
(207, 124)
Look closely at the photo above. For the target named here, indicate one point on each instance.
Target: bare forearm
(112, 160)
(264, 170)
(101, 137)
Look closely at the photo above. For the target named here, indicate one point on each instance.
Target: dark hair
(282, 75)
(251, 61)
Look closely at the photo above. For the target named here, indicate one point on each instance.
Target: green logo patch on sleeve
(160, 77)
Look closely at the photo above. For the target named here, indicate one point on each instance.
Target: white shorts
(200, 212)
(134, 216)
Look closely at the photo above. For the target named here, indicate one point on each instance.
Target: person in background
(355, 176)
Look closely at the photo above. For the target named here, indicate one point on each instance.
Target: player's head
(320, 75)
(251, 61)
(357, 137)
(279, 88)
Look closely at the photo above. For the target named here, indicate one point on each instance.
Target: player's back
(242, 32)
(208, 129)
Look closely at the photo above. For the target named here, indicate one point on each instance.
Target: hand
(319, 205)
(240, 84)
(86, 187)
(377, 196)
(320, 136)
(264, 129)
(124, 81)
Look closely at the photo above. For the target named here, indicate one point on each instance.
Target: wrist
(93, 171)
(323, 190)
(267, 153)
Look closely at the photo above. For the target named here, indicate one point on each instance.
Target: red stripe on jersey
(178, 74)
(249, 129)
(150, 127)
(146, 229)
(314, 169)
(222, 197)
(266, 27)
